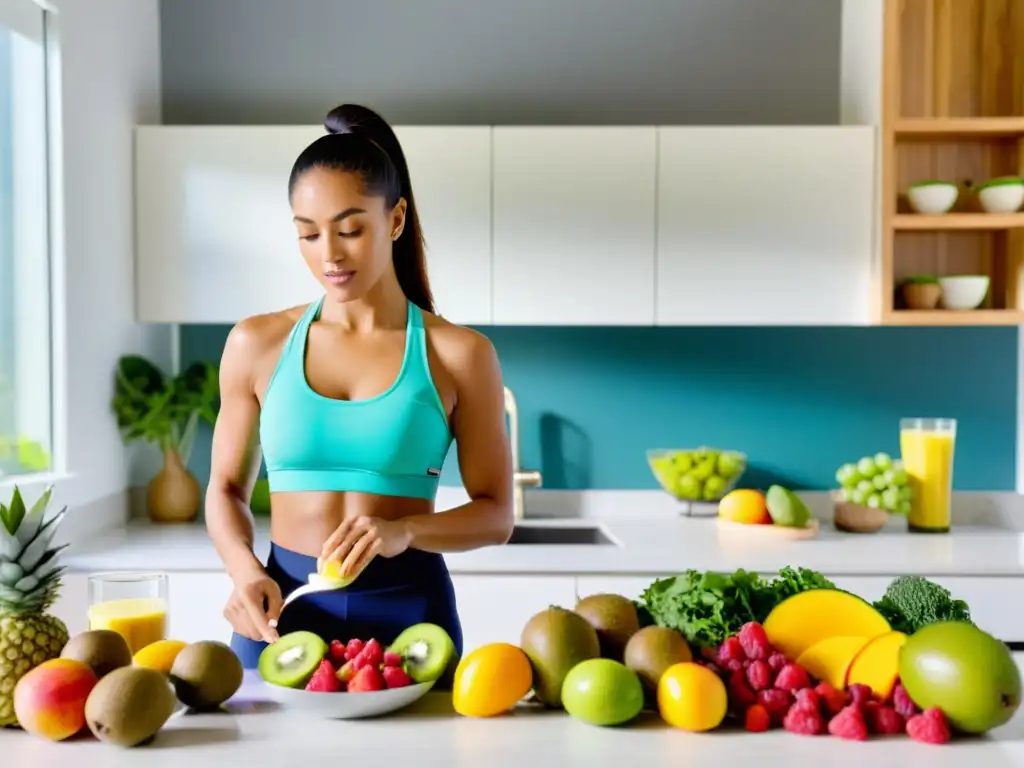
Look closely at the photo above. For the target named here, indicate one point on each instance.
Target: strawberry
(392, 659)
(355, 645)
(372, 653)
(323, 680)
(337, 652)
(366, 679)
(395, 677)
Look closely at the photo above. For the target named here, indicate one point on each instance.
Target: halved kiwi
(427, 650)
(292, 660)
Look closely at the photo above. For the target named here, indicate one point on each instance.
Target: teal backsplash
(798, 401)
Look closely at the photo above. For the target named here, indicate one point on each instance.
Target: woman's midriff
(302, 522)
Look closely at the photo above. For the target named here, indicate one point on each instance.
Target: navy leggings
(390, 595)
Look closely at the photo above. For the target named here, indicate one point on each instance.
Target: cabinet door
(574, 225)
(496, 608)
(215, 241)
(450, 168)
(765, 225)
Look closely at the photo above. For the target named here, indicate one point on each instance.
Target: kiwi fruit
(292, 659)
(556, 640)
(129, 706)
(654, 649)
(615, 619)
(103, 650)
(428, 651)
(206, 674)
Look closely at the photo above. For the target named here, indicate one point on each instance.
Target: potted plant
(165, 412)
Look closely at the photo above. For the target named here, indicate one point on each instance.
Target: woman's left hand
(360, 539)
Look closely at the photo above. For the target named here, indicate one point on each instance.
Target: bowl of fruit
(356, 679)
(871, 490)
(696, 474)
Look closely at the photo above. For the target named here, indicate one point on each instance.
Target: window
(25, 326)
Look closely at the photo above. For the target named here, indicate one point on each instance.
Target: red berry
(833, 700)
(709, 654)
(373, 653)
(859, 693)
(392, 659)
(884, 720)
(323, 680)
(759, 675)
(792, 678)
(757, 719)
(806, 698)
(734, 665)
(355, 645)
(849, 724)
(739, 692)
(755, 641)
(805, 722)
(777, 703)
(731, 650)
(777, 661)
(395, 677)
(336, 651)
(366, 679)
(902, 702)
(929, 727)
(357, 662)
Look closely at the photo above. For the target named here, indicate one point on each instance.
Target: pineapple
(29, 583)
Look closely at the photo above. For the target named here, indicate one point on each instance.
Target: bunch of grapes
(876, 481)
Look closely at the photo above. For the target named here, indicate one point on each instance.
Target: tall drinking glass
(927, 446)
(132, 604)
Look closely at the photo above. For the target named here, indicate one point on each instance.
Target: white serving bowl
(932, 197)
(1004, 195)
(963, 291)
(347, 706)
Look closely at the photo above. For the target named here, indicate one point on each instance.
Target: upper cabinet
(765, 225)
(574, 213)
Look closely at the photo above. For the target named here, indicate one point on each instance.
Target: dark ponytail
(359, 140)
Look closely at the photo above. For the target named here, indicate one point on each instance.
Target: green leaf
(15, 512)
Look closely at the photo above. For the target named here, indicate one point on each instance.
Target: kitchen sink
(571, 535)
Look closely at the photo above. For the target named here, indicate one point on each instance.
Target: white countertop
(254, 734)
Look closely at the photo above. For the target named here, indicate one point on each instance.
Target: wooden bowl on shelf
(855, 518)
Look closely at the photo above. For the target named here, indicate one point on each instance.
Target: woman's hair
(360, 141)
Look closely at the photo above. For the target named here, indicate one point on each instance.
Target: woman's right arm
(234, 466)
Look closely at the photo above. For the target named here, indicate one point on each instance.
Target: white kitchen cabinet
(215, 242)
(496, 608)
(765, 225)
(574, 225)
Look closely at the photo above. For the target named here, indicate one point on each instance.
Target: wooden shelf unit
(950, 106)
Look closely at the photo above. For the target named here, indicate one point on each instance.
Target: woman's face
(345, 236)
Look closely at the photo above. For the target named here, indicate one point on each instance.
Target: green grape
(906, 493)
(865, 485)
(874, 501)
(883, 460)
(866, 467)
(858, 496)
(904, 508)
(846, 494)
(879, 482)
(847, 476)
(899, 477)
(891, 499)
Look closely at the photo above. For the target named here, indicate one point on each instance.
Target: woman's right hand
(255, 602)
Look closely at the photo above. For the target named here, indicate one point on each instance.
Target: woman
(354, 401)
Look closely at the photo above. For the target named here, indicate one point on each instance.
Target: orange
(692, 697)
(491, 680)
(744, 505)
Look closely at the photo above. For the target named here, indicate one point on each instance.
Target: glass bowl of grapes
(871, 490)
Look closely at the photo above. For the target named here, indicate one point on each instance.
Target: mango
(491, 680)
(49, 701)
(807, 618)
(159, 655)
(744, 505)
(830, 659)
(878, 664)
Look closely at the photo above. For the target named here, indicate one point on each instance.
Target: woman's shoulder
(256, 335)
(459, 348)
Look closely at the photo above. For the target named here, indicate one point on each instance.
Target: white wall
(108, 80)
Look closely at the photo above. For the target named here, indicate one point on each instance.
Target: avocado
(786, 508)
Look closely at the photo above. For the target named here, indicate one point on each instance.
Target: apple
(602, 692)
(966, 672)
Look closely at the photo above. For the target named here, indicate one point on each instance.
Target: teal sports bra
(393, 444)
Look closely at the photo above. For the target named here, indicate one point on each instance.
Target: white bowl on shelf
(1002, 195)
(960, 292)
(932, 197)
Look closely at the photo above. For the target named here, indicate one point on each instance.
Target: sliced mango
(830, 659)
(805, 619)
(878, 664)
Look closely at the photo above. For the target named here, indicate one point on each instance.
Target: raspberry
(807, 698)
(709, 654)
(372, 653)
(805, 722)
(902, 702)
(777, 661)
(392, 659)
(739, 692)
(859, 693)
(755, 641)
(832, 699)
(849, 724)
(776, 702)
(759, 675)
(734, 665)
(355, 645)
(884, 720)
(323, 680)
(757, 719)
(366, 679)
(929, 727)
(731, 650)
(792, 678)
(395, 677)
(336, 650)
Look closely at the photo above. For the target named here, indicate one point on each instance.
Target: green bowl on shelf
(697, 474)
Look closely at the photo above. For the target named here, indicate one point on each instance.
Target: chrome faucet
(520, 478)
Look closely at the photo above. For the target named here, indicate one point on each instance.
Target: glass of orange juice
(132, 604)
(927, 446)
